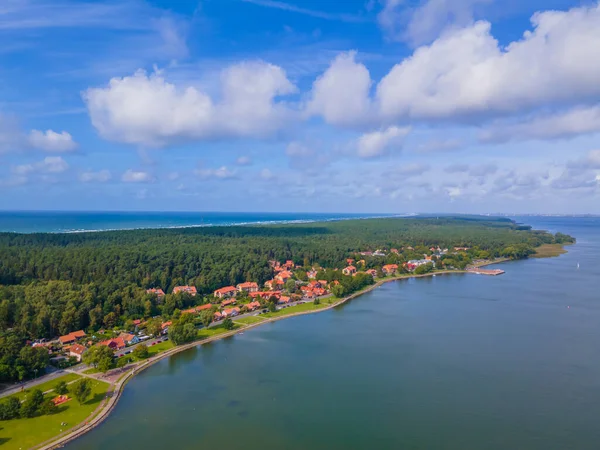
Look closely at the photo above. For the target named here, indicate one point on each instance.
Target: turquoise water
(58, 222)
(451, 362)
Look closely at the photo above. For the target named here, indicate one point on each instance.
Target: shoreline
(97, 417)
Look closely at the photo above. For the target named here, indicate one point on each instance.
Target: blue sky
(301, 105)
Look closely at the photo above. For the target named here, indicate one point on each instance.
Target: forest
(51, 284)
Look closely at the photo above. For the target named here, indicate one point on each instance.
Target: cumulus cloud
(49, 165)
(51, 141)
(341, 94)
(577, 121)
(243, 161)
(148, 110)
(133, 176)
(266, 174)
(221, 173)
(425, 22)
(101, 176)
(439, 145)
(378, 143)
(466, 72)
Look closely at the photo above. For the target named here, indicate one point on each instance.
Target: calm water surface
(451, 362)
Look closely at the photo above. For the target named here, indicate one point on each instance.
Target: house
(366, 253)
(249, 286)
(461, 249)
(252, 306)
(315, 284)
(137, 322)
(77, 351)
(204, 307)
(283, 276)
(228, 302)
(274, 284)
(283, 300)
(390, 269)
(71, 337)
(350, 270)
(311, 274)
(349, 261)
(114, 344)
(372, 272)
(225, 292)
(217, 316)
(165, 326)
(232, 312)
(187, 289)
(395, 250)
(160, 294)
(323, 283)
(129, 339)
(289, 264)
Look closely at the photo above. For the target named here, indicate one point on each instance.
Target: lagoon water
(451, 362)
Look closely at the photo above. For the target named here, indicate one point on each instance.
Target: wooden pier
(478, 271)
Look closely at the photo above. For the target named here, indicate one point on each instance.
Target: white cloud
(341, 94)
(243, 161)
(132, 176)
(101, 176)
(266, 174)
(571, 123)
(49, 165)
(439, 145)
(147, 110)
(466, 73)
(222, 173)
(51, 141)
(424, 23)
(299, 150)
(377, 143)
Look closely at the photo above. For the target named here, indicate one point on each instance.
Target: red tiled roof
(117, 343)
(228, 302)
(248, 285)
(73, 336)
(189, 289)
(158, 292)
(225, 290)
(77, 349)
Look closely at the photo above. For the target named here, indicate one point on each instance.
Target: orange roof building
(224, 292)
(71, 337)
(249, 286)
(187, 289)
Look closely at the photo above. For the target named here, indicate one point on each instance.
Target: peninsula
(119, 301)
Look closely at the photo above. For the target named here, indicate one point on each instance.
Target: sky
(371, 106)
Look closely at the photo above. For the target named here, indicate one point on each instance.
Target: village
(285, 289)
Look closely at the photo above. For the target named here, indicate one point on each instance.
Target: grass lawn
(205, 333)
(44, 387)
(548, 251)
(26, 433)
(250, 320)
(91, 370)
(296, 309)
(159, 348)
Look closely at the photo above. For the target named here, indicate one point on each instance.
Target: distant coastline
(63, 222)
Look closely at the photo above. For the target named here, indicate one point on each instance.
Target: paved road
(29, 384)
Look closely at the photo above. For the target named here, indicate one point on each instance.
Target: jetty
(479, 271)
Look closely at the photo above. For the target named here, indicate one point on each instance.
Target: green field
(206, 333)
(26, 433)
(48, 385)
(251, 320)
(154, 350)
(296, 309)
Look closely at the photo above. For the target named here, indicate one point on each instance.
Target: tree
(61, 388)
(48, 407)
(141, 351)
(32, 403)
(183, 331)
(317, 301)
(338, 290)
(272, 307)
(10, 409)
(110, 320)
(123, 361)
(82, 390)
(207, 317)
(290, 286)
(154, 327)
(100, 357)
(228, 324)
